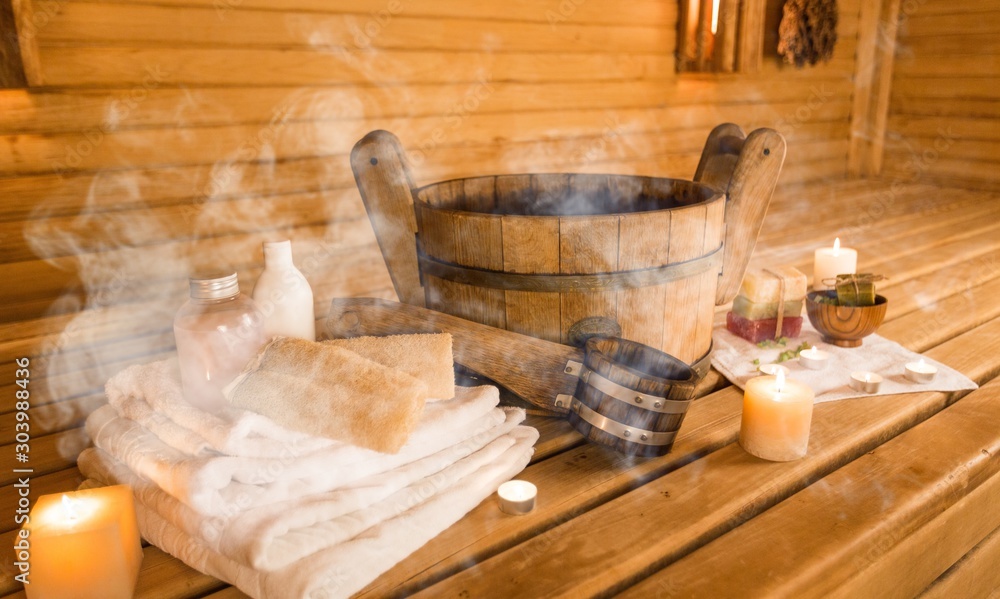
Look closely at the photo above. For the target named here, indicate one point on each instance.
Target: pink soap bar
(758, 330)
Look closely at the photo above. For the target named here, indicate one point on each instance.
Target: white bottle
(283, 295)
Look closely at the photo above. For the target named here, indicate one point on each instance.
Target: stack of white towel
(281, 514)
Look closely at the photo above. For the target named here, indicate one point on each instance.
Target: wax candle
(776, 418)
(772, 369)
(866, 382)
(517, 497)
(830, 262)
(813, 359)
(83, 545)
(920, 372)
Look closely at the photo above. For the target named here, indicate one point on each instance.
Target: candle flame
(836, 246)
(779, 381)
(69, 506)
(715, 16)
(920, 364)
(868, 377)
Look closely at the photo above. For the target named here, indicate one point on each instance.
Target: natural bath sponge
(424, 357)
(328, 391)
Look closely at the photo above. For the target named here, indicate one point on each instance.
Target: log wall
(943, 115)
(164, 136)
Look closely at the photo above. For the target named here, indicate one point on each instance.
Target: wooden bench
(893, 499)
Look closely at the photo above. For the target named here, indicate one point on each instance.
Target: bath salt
(757, 310)
(756, 331)
(760, 286)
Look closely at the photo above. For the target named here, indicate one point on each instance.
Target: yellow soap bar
(763, 287)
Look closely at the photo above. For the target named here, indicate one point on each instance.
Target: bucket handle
(387, 191)
(746, 168)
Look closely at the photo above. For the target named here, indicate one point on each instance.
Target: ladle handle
(386, 187)
(746, 168)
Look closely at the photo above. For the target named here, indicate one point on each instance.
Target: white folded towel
(221, 484)
(151, 395)
(345, 568)
(271, 537)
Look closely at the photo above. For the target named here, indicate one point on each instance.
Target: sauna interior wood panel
(943, 115)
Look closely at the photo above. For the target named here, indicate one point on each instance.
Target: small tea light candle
(920, 372)
(830, 262)
(814, 359)
(517, 497)
(776, 418)
(772, 369)
(866, 382)
(83, 544)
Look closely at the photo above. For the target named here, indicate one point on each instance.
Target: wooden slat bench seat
(896, 496)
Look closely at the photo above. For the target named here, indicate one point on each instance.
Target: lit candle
(830, 262)
(866, 382)
(772, 369)
(813, 359)
(517, 497)
(83, 544)
(776, 418)
(920, 372)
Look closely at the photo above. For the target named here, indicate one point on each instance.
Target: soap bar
(855, 290)
(755, 311)
(762, 287)
(756, 331)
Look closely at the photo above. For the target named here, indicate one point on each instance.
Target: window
(720, 36)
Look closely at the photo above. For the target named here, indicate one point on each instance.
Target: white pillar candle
(517, 497)
(866, 382)
(776, 418)
(920, 372)
(830, 262)
(813, 359)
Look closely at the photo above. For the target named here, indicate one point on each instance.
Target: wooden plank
(54, 417)
(103, 23)
(50, 453)
(111, 66)
(644, 241)
(921, 23)
(233, 145)
(587, 244)
(531, 245)
(975, 44)
(21, 28)
(11, 65)
(696, 503)
(74, 110)
(975, 575)
(480, 245)
(872, 87)
(680, 329)
(866, 529)
(946, 66)
(750, 51)
(638, 12)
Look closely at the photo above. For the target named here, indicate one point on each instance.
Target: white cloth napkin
(733, 357)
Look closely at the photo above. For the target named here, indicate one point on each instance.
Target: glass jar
(217, 331)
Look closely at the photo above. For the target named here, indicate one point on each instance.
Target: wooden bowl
(844, 326)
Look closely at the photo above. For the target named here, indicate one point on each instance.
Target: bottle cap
(214, 285)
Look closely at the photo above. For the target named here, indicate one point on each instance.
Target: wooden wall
(167, 135)
(945, 106)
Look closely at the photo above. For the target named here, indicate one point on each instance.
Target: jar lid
(214, 285)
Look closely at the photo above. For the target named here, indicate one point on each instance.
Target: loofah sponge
(328, 391)
(427, 358)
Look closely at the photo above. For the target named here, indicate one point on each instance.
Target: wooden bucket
(565, 256)
(631, 397)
